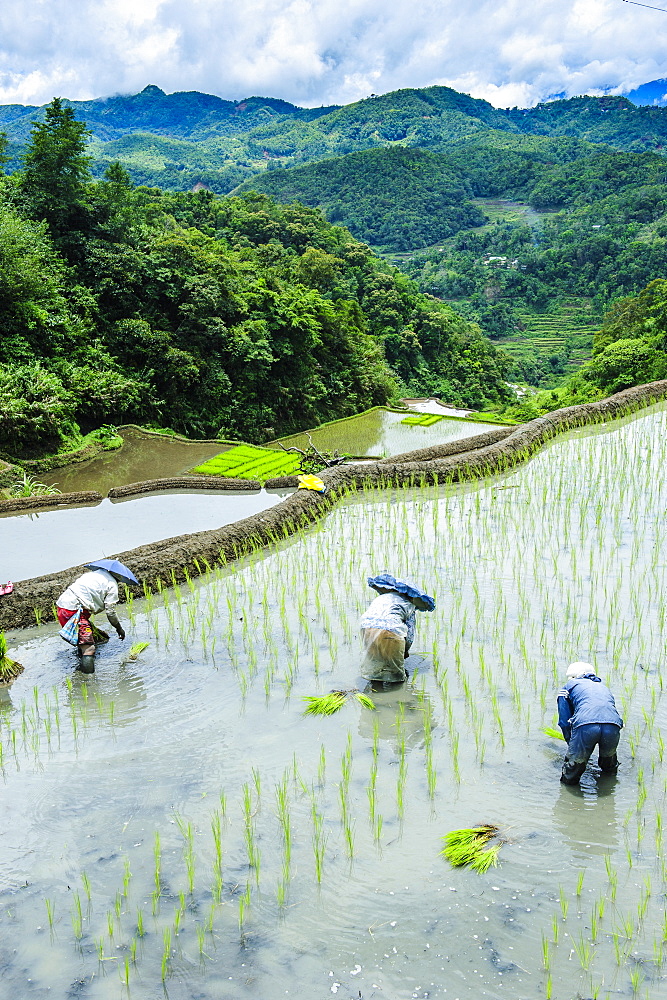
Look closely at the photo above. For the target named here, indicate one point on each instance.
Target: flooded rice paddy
(49, 540)
(143, 456)
(381, 433)
(175, 823)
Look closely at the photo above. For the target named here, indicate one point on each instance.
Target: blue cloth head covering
(385, 581)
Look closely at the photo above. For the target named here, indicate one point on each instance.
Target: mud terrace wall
(184, 482)
(484, 455)
(87, 497)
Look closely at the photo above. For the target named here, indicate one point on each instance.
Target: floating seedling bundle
(138, 647)
(471, 846)
(328, 704)
(9, 669)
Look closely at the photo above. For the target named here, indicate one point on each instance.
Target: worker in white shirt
(94, 592)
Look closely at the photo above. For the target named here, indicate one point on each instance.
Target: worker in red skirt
(93, 592)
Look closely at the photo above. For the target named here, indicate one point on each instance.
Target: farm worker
(587, 716)
(93, 592)
(388, 627)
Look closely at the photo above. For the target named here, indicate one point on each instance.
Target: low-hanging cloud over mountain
(316, 52)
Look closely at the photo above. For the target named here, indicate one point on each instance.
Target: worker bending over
(587, 717)
(93, 592)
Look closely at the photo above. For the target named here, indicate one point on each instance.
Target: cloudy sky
(316, 52)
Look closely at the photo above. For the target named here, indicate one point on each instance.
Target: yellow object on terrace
(309, 482)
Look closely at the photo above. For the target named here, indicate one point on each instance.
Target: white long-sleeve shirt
(95, 591)
(393, 612)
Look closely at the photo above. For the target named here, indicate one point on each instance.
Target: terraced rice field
(546, 334)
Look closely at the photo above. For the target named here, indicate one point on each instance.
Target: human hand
(121, 633)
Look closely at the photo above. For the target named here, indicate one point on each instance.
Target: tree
(3, 150)
(55, 170)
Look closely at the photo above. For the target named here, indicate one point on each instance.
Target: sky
(314, 52)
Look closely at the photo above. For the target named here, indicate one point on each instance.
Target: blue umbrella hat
(385, 581)
(118, 569)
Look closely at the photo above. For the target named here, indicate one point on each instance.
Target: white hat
(579, 670)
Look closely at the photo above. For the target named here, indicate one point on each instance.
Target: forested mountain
(392, 198)
(179, 139)
(233, 317)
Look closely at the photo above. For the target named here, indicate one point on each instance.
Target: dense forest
(234, 317)
(391, 198)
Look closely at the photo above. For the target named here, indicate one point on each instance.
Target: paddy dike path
(168, 561)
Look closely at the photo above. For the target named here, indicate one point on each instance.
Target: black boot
(572, 771)
(87, 665)
(608, 765)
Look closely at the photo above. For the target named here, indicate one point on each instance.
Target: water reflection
(400, 714)
(585, 815)
(118, 697)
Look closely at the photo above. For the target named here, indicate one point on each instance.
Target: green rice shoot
(328, 704)
(554, 733)
(137, 648)
(9, 669)
(470, 847)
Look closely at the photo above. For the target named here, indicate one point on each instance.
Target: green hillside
(390, 198)
(229, 317)
(258, 133)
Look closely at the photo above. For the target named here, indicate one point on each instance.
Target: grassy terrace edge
(173, 560)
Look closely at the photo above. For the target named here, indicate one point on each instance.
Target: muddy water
(123, 786)
(143, 456)
(50, 540)
(380, 433)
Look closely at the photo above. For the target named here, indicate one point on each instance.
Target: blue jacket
(583, 700)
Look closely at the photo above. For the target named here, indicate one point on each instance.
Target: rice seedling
(584, 951)
(553, 733)
(9, 669)
(471, 846)
(77, 917)
(332, 702)
(137, 648)
(166, 952)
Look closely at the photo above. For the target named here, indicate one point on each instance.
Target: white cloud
(325, 51)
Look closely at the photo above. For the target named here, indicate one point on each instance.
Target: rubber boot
(608, 765)
(572, 771)
(87, 665)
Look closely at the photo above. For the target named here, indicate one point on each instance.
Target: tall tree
(55, 170)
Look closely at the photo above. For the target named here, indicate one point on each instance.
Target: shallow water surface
(143, 456)
(177, 819)
(381, 433)
(50, 540)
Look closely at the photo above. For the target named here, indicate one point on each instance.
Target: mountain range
(176, 141)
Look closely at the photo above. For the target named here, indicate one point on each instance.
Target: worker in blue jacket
(587, 716)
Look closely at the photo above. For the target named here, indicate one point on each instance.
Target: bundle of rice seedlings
(99, 635)
(327, 704)
(554, 733)
(470, 846)
(9, 669)
(138, 647)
